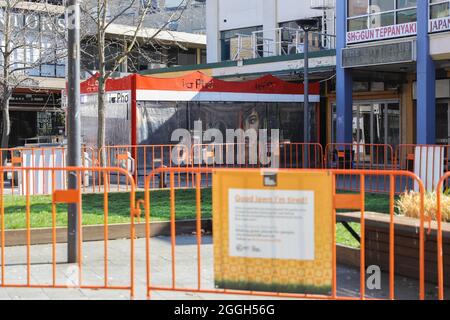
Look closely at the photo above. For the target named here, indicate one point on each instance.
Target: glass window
(357, 24)
(406, 16)
(60, 71)
(364, 14)
(48, 70)
(357, 7)
(381, 20)
(229, 37)
(34, 72)
(381, 5)
(440, 10)
(402, 4)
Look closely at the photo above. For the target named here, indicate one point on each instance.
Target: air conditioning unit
(322, 4)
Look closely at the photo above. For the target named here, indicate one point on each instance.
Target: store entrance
(374, 123)
(443, 122)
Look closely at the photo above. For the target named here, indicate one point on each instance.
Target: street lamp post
(73, 124)
(307, 25)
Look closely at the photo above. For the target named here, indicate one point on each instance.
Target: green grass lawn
(344, 237)
(119, 204)
(375, 202)
(93, 208)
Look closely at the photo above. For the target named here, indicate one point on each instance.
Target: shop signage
(441, 24)
(398, 52)
(34, 21)
(386, 32)
(396, 31)
(33, 99)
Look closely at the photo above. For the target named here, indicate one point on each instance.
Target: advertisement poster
(274, 239)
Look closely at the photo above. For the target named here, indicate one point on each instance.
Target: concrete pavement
(119, 272)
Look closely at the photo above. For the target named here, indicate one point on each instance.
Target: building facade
(250, 39)
(392, 73)
(270, 24)
(37, 108)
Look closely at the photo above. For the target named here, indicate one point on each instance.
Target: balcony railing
(278, 42)
(322, 4)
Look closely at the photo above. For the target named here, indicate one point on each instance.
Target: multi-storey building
(393, 72)
(36, 110)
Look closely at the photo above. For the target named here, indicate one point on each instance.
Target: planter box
(406, 244)
(96, 232)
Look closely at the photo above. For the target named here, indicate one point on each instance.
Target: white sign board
(440, 24)
(396, 31)
(40, 181)
(385, 32)
(428, 166)
(271, 224)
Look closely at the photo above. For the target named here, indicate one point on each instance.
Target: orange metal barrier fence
(380, 157)
(429, 162)
(43, 266)
(141, 160)
(355, 202)
(42, 157)
(439, 219)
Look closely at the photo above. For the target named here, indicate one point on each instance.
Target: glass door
(442, 123)
(392, 124)
(362, 130)
(376, 123)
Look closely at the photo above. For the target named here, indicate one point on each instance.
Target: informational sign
(274, 237)
(398, 52)
(265, 224)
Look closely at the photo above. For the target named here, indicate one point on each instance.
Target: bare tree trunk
(6, 130)
(101, 134)
(101, 127)
(6, 55)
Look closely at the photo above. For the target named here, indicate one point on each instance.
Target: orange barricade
(353, 202)
(141, 160)
(440, 244)
(301, 156)
(375, 157)
(43, 157)
(28, 262)
(429, 162)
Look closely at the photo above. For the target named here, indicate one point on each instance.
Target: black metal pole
(73, 123)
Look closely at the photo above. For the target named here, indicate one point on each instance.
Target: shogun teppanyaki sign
(387, 32)
(396, 31)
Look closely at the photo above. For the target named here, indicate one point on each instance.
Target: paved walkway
(119, 272)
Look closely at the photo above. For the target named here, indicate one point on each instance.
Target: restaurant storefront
(36, 117)
(388, 43)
